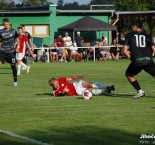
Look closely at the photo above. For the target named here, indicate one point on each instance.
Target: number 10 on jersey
(140, 40)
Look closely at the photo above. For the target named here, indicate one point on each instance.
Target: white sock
(98, 91)
(19, 68)
(97, 85)
(23, 65)
(141, 91)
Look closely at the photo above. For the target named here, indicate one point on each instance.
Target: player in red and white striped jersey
(21, 50)
(69, 86)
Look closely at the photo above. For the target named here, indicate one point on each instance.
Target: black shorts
(9, 57)
(133, 70)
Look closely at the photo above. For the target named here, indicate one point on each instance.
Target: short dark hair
(19, 27)
(137, 23)
(5, 20)
(22, 25)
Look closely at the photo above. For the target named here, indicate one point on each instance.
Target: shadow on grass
(82, 135)
(45, 94)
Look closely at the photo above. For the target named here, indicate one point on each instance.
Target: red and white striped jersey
(22, 40)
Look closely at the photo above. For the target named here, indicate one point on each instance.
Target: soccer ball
(87, 95)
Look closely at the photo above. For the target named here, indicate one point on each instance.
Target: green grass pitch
(117, 119)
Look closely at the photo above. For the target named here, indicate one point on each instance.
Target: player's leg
(98, 91)
(150, 69)
(130, 73)
(2, 57)
(11, 58)
(98, 86)
(19, 57)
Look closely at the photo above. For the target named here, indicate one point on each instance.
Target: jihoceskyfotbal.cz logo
(147, 139)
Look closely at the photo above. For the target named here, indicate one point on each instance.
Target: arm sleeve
(29, 36)
(16, 34)
(126, 41)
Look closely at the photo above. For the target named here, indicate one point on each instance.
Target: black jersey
(7, 39)
(140, 47)
(78, 41)
(28, 35)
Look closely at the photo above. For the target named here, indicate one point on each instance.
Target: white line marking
(23, 137)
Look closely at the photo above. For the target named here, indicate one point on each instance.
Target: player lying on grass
(69, 86)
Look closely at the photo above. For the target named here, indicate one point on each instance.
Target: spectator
(105, 50)
(53, 52)
(114, 50)
(104, 40)
(59, 44)
(73, 52)
(64, 54)
(67, 44)
(79, 42)
(67, 40)
(98, 55)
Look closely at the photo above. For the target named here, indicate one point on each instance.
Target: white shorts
(78, 87)
(20, 56)
(74, 52)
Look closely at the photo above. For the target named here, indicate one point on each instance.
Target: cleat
(110, 88)
(15, 84)
(28, 69)
(139, 94)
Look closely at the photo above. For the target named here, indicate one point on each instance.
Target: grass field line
(23, 137)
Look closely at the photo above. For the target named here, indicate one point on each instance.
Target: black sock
(14, 71)
(136, 85)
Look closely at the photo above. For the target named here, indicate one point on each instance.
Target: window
(38, 30)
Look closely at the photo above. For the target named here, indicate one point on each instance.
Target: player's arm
(72, 78)
(16, 45)
(31, 52)
(153, 49)
(126, 52)
(31, 44)
(58, 93)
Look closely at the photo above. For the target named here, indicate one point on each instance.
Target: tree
(7, 4)
(137, 5)
(34, 2)
(101, 2)
(60, 4)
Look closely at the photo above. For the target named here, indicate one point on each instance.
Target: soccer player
(69, 86)
(140, 53)
(23, 41)
(8, 37)
(31, 45)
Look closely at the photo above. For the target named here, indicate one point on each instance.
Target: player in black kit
(8, 37)
(140, 53)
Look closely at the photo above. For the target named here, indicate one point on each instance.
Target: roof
(19, 12)
(85, 11)
(88, 24)
(135, 12)
(26, 10)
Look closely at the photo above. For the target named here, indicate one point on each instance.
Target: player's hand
(66, 90)
(34, 57)
(84, 75)
(17, 50)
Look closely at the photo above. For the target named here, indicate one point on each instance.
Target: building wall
(55, 21)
